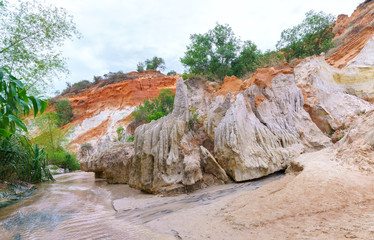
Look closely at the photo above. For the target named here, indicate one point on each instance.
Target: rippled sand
(78, 206)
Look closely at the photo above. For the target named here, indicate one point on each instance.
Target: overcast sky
(117, 34)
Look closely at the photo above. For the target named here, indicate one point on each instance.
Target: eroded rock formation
(253, 141)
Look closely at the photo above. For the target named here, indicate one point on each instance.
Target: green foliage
(13, 102)
(52, 138)
(131, 139)
(140, 67)
(171, 73)
(156, 108)
(269, 59)
(247, 61)
(63, 160)
(313, 36)
(29, 34)
(64, 112)
(120, 133)
(155, 63)
(212, 53)
(20, 160)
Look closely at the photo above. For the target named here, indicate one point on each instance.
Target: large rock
(111, 162)
(256, 138)
(164, 152)
(325, 95)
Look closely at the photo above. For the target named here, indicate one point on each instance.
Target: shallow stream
(78, 206)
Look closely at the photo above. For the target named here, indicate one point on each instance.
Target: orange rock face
(117, 95)
(352, 33)
(230, 84)
(360, 18)
(351, 49)
(263, 76)
(113, 98)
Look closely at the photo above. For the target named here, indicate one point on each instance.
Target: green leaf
(35, 105)
(18, 83)
(18, 122)
(4, 132)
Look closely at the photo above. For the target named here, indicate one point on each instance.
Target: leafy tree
(155, 63)
(313, 36)
(158, 107)
(13, 102)
(64, 112)
(29, 34)
(247, 61)
(140, 67)
(212, 53)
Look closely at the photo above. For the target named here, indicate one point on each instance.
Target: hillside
(106, 105)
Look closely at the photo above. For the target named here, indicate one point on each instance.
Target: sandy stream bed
(324, 201)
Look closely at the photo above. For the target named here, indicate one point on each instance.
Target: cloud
(119, 34)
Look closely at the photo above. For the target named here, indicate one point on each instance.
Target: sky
(118, 34)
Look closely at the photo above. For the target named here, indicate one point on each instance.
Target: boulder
(210, 165)
(111, 162)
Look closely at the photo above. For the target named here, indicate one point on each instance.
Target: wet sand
(78, 206)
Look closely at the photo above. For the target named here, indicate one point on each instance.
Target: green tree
(64, 112)
(29, 34)
(140, 67)
(212, 53)
(247, 61)
(155, 63)
(313, 36)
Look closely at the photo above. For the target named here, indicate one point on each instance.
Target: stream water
(78, 206)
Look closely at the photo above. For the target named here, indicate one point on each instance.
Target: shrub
(130, 139)
(20, 160)
(156, 108)
(63, 159)
(64, 112)
(120, 133)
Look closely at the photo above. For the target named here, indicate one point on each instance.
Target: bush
(171, 73)
(64, 112)
(156, 108)
(63, 159)
(120, 133)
